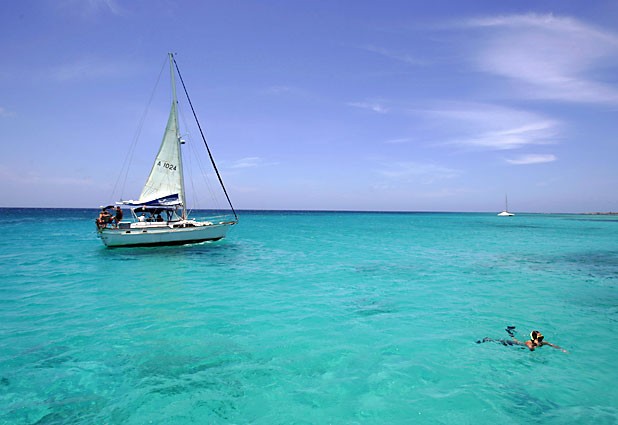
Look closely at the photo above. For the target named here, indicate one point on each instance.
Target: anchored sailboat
(506, 212)
(159, 216)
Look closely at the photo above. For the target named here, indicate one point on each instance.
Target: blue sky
(320, 105)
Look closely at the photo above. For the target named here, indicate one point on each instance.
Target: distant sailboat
(506, 212)
(159, 216)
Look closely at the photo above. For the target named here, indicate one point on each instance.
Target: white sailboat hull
(153, 234)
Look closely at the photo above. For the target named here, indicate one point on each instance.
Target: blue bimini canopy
(167, 202)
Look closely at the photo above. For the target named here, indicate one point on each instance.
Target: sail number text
(167, 165)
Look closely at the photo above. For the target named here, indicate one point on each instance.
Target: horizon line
(344, 211)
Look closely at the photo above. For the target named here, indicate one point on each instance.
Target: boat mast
(175, 109)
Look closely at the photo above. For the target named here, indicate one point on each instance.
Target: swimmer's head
(536, 335)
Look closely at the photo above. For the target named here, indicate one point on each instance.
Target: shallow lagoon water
(310, 318)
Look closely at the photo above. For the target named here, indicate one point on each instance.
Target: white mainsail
(166, 177)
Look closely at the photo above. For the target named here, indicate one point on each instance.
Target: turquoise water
(310, 318)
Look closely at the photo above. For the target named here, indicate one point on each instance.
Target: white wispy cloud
(513, 136)
(90, 8)
(5, 112)
(31, 178)
(551, 57)
(532, 159)
(398, 140)
(425, 173)
(88, 68)
(278, 89)
(491, 127)
(249, 162)
(372, 106)
(282, 89)
(398, 56)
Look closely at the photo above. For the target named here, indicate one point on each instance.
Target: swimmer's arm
(557, 347)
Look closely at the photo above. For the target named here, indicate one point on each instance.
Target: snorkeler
(536, 340)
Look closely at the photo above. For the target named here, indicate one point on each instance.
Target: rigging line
(188, 169)
(197, 157)
(204, 175)
(188, 165)
(212, 160)
(126, 165)
(213, 190)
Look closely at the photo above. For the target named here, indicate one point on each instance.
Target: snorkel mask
(536, 335)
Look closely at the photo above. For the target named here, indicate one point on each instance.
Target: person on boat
(118, 216)
(142, 214)
(536, 340)
(104, 218)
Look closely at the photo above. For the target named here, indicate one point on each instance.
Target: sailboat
(159, 216)
(506, 212)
